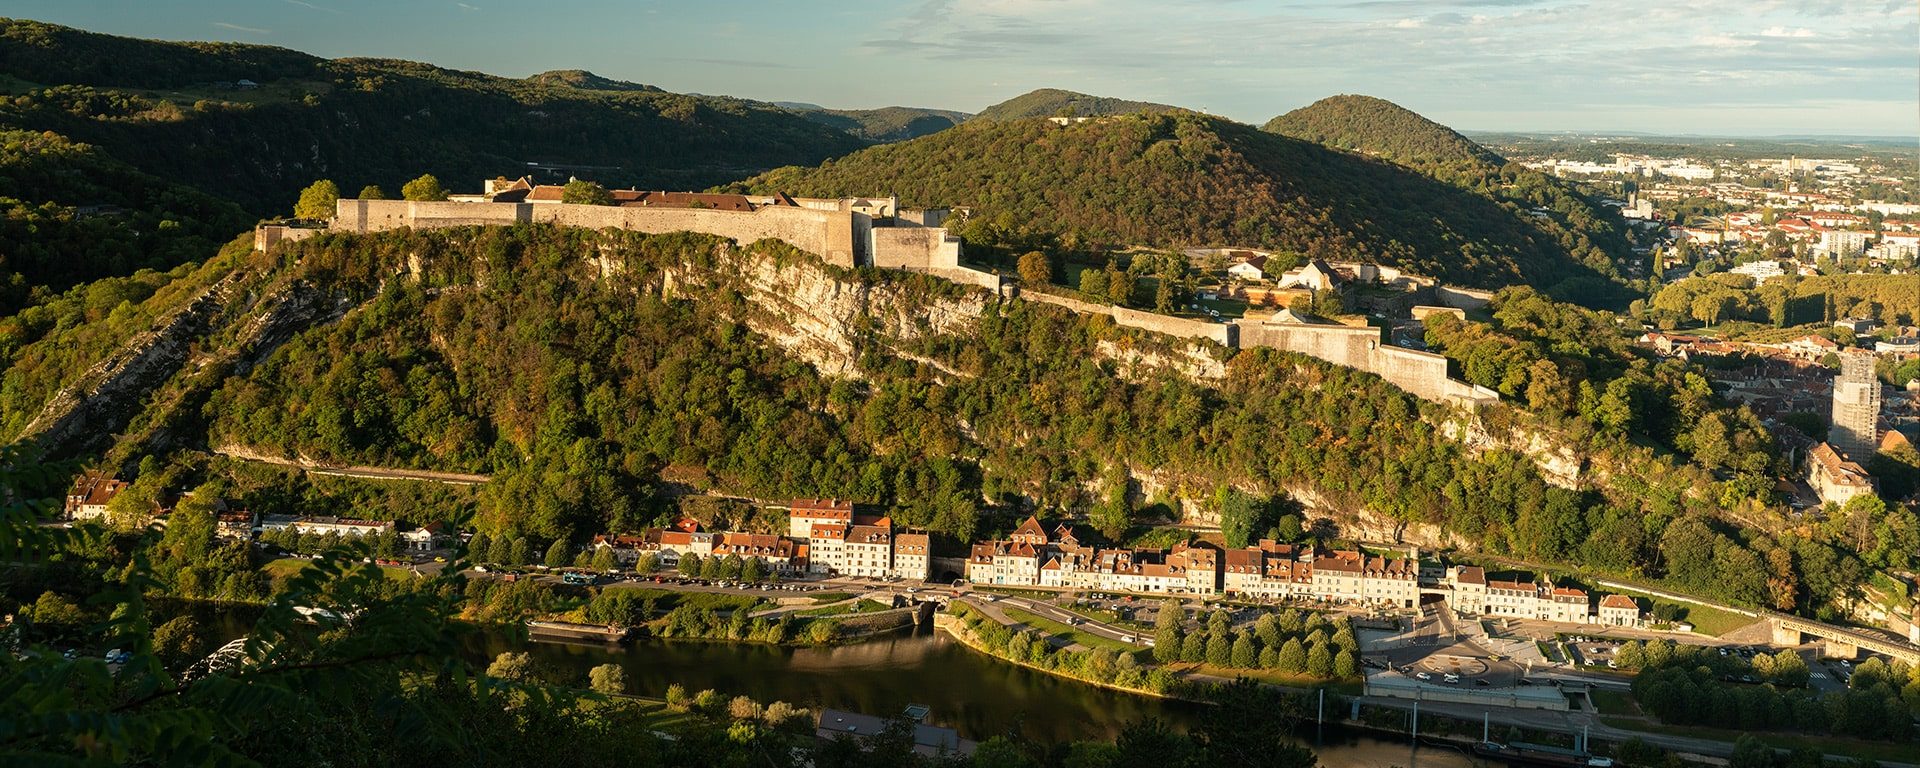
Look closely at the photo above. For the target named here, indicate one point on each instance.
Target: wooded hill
(582, 387)
(886, 123)
(174, 110)
(1185, 179)
(1585, 230)
(1053, 102)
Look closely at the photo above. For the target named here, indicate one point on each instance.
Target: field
(844, 609)
(1706, 621)
(1614, 702)
(1277, 677)
(1060, 630)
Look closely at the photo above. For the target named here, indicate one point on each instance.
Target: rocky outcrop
(1559, 464)
(86, 414)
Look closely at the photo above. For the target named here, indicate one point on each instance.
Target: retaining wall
(1221, 333)
(1423, 374)
(1461, 298)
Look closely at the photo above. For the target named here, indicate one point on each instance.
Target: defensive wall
(1422, 373)
(836, 236)
(1219, 333)
(267, 236)
(1468, 299)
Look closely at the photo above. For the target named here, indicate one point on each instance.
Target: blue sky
(1724, 67)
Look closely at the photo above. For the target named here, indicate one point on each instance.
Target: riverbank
(957, 628)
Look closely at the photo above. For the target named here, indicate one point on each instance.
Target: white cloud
(1785, 32)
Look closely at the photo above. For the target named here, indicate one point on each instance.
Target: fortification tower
(1856, 407)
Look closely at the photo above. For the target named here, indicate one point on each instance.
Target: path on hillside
(361, 472)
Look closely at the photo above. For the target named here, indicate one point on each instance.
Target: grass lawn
(1705, 621)
(1277, 677)
(831, 597)
(667, 599)
(1030, 594)
(1107, 617)
(288, 566)
(1614, 702)
(1550, 650)
(1855, 748)
(1058, 629)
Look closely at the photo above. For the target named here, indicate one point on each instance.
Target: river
(969, 692)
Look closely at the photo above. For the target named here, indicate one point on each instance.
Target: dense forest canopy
(886, 123)
(1587, 231)
(374, 121)
(1053, 102)
(1189, 179)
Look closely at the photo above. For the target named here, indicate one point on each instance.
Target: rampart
(1422, 373)
(1219, 333)
(1461, 298)
(826, 233)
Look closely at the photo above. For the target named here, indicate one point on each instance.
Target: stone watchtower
(1856, 407)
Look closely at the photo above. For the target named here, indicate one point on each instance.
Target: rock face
(1558, 464)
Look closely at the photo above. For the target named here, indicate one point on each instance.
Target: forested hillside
(580, 387)
(1587, 231)
(1190, 179)
(69, 214)
(1053, 102)
(174, 110)
(886, 123)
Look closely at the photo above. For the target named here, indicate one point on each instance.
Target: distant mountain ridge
(883, 124)
(178, 111)
(1382, 128)
(1054, 102)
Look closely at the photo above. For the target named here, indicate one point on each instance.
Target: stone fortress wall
(846, 237)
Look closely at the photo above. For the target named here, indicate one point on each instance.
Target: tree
(317, 200)
(1293, 656)
(753, 570)
(1344, 666)
(424, 189)
(372, 192)
(1000, 752)
(477, 547)
(690, 565)
(744, 708)
(610, 679)
(603, 560)
(1219, 650)
(500, 551)
(520, 552)
(1035, 269)
(559, 554)
(1193, 648)
(1320, 661)
(512, 665)
(1119, 284)
(1245, 655)
(580, 192)
(1166, 631)
(178, 642)
(1093, 282)
(648, 563)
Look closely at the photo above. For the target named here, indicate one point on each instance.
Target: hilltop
(885, 123)
(181, 112)
(1559, 212)
(1053, 102)
(1182, 179)
(588, 81)
(1381, 128)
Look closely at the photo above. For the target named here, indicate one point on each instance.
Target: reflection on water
(971, 693)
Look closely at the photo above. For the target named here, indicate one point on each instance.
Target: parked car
(1422, 676)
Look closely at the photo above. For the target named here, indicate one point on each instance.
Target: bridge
(1840, 641)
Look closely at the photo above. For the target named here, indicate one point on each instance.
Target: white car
(1422, 676)
(1451, 678)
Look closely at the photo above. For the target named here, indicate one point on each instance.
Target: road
(364, 473)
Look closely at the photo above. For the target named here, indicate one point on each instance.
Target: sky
(1712, 67)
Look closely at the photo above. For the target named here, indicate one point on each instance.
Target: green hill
(1184, 179)
(1381, 128)
(885, 123)
(588, 81)
(1561, 214)
(1053, 102)
(178, 111)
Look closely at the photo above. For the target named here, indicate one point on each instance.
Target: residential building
(91, 492)
(1469, 584)
(1251, 269)
(827, 547)
(912, 556)
(803, 514)
(233, 524)
(1619, 611)
(425, 538)
(777, 552)
(868, 552)
(1835, 478)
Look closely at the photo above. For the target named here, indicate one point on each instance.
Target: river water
(969, 692)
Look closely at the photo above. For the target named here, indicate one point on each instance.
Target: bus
(577, 579)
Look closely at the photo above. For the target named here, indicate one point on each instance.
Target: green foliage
(371, 192)
(317, 200)
(1053, 102)
(151, 103)
(585, 193)
(1035, 269)
(886, 123)
(72, 213)
(426, 188)
(1691, 685)
(1562, 216)
(1032, 183)
(609, 679)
